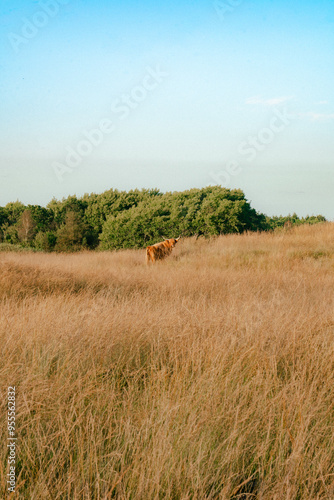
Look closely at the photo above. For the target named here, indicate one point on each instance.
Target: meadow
(209, 375)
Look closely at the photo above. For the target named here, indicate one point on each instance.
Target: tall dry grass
(207, 376)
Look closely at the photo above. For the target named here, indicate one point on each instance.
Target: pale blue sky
(243, 83)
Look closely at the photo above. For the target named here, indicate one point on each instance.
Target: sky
(172, 95)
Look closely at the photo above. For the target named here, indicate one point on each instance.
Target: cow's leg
(148, 256)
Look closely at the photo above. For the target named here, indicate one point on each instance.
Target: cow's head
(173, 241)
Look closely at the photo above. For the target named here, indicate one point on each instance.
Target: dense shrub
(209, 211)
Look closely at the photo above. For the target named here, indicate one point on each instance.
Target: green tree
(4, 223)
(45, 241)
(43, 217)
(209, 211)
(26, 228)
(70, 235)
(14, 211)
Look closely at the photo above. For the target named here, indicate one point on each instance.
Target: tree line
(133, 219)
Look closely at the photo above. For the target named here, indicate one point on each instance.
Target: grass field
(207, 376)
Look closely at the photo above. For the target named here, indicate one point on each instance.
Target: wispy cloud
(311, 115)
(323, 102)
(273, 101)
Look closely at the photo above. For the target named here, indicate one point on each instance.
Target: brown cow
(160, 250)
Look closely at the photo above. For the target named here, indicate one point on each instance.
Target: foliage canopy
(134, 219)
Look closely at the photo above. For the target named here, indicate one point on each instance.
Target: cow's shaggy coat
(161, 250)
